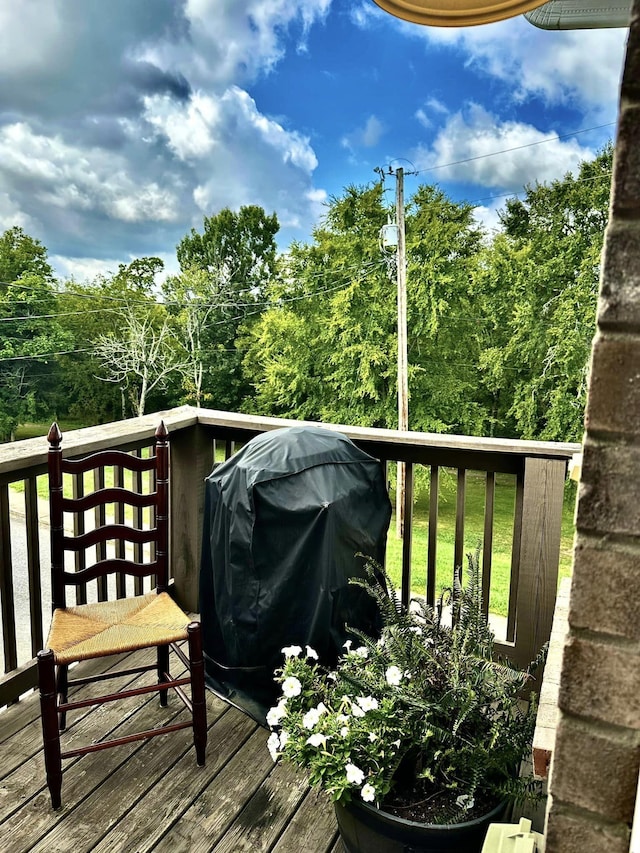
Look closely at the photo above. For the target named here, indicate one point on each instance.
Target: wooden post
(539, 554)
(403, 386)
(191, 462)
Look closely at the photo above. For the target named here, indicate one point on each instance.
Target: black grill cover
(286, 519)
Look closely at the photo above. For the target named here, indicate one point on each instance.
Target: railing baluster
(407, 534)
(120, 545)
(138, 583)
(487, 539)
(6, 584)
(101, 547)
(515, 559)
(433, 534)
(458, 554)
(33, 563)
(80, 559)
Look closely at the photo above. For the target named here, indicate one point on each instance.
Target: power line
(271, 303)
(524, 191)
(513, 148)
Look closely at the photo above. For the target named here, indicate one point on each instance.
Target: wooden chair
(110, 627)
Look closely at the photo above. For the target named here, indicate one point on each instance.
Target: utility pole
(403, 381)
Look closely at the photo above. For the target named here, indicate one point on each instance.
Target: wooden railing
(196, 439)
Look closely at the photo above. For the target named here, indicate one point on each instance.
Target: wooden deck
(152, 796)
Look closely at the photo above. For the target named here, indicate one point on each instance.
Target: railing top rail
(257, 423)
(32, 452)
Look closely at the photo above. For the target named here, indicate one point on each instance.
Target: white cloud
(431, 105)
(188, 127)
(474, 133)
(366, 136)
(63, 175)
(582, 67)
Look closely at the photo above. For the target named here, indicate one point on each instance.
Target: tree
(139, 358)
(30, 334)
(111, 311)
(538, 287)
(328, 350)
(237, 255)
(22, 255)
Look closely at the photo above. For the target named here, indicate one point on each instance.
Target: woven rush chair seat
(98, 629)
(112, 627)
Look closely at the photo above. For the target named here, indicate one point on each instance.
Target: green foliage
(425, 707)
(537, 288)
(27, 371)
(226, 273)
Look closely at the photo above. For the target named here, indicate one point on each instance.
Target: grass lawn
(504, 503)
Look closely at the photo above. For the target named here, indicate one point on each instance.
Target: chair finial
(54, 436)
(162, 434)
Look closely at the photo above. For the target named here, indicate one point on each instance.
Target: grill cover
(287, 520)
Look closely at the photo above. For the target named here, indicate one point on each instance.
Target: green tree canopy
(225, 275)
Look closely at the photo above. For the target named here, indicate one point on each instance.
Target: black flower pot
(366, 829)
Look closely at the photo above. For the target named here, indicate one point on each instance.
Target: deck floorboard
(152, 796)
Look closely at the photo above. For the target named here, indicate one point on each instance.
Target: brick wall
(594, 774)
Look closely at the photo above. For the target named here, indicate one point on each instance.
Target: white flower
(416, 630)
(272, 745)
(393, 676)
(373, 736)
(368, 793)
(357, 711)
(332, 676)
(275, 714)
(344, 731)
(342, 718)
(348, 645)
(362, 652)
(465, 801)
(311, 718)
(317, 739)
(354, 774)
(284, 738)
(291, 687)
(367, 703)
(292, 651)
(312, 653)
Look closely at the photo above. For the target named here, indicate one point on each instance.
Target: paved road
(20, 577)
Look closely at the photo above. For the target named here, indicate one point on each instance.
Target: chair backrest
(126, 555)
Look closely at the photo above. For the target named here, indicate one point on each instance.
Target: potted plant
(418, 734)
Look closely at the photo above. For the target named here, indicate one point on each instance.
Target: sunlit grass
(504, 502)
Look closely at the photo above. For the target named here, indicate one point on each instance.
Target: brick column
(594, 774)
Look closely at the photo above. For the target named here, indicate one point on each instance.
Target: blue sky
(123, 124)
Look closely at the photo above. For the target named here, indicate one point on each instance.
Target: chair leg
(63, 679)
(163, 669)
(196, 665)
(50, 730)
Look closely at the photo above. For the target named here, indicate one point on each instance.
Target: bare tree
(139, 358)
